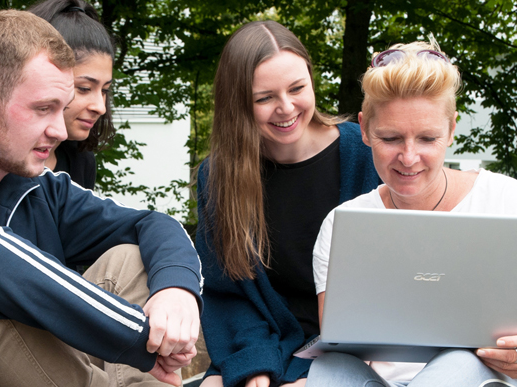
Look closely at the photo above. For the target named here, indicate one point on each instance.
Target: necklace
(439, 201)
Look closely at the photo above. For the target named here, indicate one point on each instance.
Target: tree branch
(438, 12)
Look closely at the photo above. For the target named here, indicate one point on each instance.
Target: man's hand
(501, 360)
(174, 322)
(164, 368)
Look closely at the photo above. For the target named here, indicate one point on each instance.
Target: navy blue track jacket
(50, 224)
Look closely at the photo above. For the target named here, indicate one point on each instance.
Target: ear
(366, 140)
(453, 129)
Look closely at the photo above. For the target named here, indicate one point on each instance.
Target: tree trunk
(355, 40)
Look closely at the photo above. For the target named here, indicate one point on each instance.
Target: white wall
(468, 161)
(165, 155)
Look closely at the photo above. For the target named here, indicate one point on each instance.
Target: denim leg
(459, 368)
(333, 369)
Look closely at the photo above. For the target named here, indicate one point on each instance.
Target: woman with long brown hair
(277, 166)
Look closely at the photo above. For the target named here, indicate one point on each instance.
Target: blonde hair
(411, 76)
(235, 191)
(22, 37)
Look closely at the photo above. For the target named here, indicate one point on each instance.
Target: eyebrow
(270, 91)
(54, 101)
(93, 80)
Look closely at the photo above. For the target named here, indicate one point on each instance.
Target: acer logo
(428, 276)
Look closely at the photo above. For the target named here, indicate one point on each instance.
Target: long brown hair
(235, 184)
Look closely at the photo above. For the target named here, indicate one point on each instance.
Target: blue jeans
(450, 368)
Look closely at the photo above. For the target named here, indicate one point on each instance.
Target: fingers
(163, 375)
(173, 343)
(158, 328)
(298, 383)
(174, 322)
(261, 380)
(497, 356)
(507, 342)
(501, 360)
(169, 334)
(175, 361)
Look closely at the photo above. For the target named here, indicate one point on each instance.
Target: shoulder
(350, 130)
(493, 184)
(351, 140)
(48, 178)
(202, 173)
(53, 187)
(488, 177)
(491, 193)
(371, 199)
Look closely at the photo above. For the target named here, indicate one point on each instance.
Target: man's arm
(87, 226)
(170, 260)
(37, 290)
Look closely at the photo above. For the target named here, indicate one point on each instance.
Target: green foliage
(479, 36)
(109, 182)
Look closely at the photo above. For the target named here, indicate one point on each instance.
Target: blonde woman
(276, 167)
(408, 119)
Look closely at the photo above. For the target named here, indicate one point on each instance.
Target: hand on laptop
(501, 360)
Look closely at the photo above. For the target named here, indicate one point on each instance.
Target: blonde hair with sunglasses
(410, 75)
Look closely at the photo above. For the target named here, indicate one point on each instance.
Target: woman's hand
(260, 380)
(166, 365)
(298, 383)
(501, 360)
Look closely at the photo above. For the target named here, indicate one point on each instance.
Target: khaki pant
(33, 357)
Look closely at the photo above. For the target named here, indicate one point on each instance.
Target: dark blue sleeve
(88, 226)
(37, 290)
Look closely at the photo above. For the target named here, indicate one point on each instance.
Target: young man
(55, 326)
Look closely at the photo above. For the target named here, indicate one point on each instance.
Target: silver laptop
(403, 285)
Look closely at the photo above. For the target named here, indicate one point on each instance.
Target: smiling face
(92, 79)
(32, 121)
(409, 138)
(283, 100)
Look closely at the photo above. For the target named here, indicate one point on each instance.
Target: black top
(298, 197)
(79, 165)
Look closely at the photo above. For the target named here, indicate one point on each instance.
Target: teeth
(408, 174)
(285, 124)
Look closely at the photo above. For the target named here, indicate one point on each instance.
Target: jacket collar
(13, 189)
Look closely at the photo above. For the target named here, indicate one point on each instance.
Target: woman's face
(92, 80)
(408, 138)
(283, 99)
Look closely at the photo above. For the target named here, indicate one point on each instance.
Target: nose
(285, 106)
(98, 103)
(409, 154)
(57, 128)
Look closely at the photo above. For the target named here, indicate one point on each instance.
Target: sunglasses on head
(389, 56)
